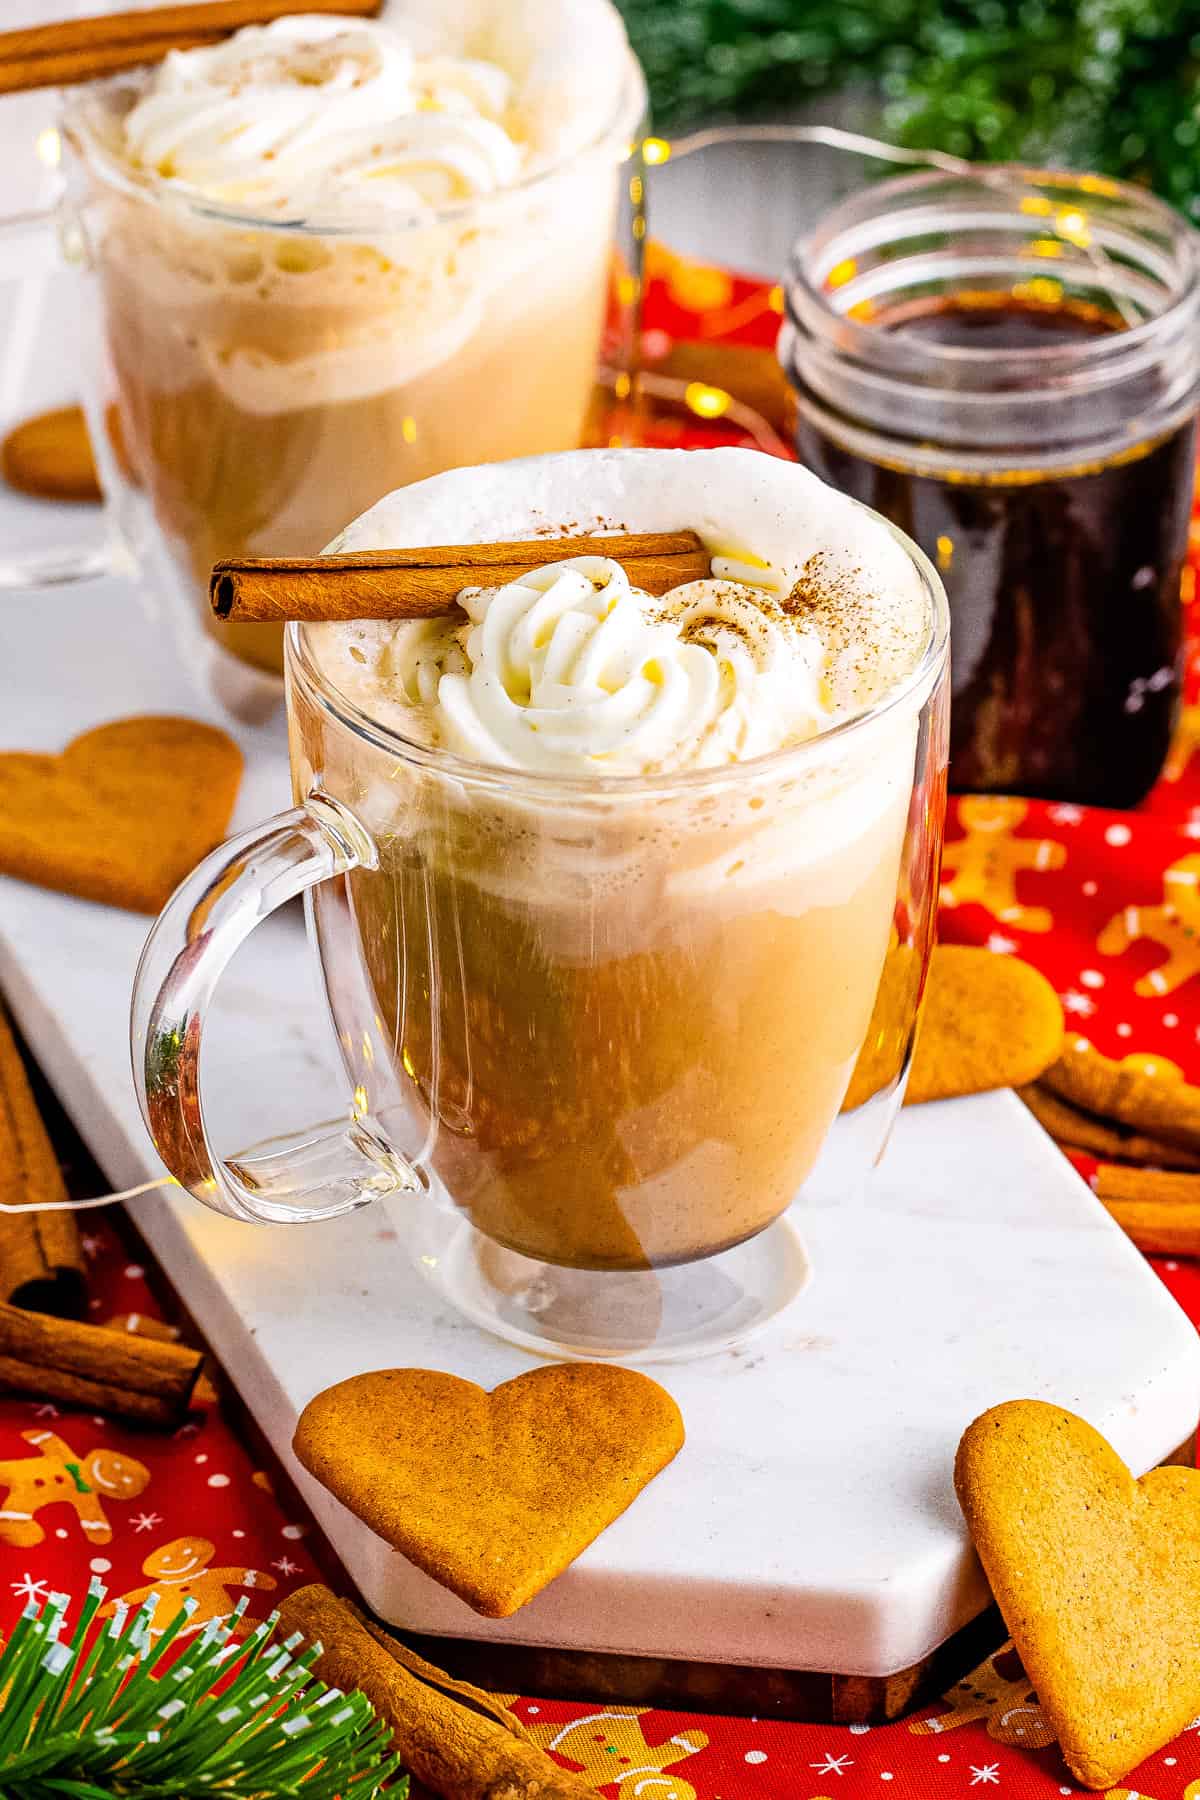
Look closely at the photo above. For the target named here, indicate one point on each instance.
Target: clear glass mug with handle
(251, 383)
(596, 1032)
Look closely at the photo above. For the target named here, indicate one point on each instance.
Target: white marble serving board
(810, 1520)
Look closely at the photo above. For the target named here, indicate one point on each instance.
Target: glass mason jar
(1008, 368)
(252, 383)
(596, 1031)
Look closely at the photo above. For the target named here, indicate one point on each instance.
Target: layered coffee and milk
(634, 886)
(338, 255)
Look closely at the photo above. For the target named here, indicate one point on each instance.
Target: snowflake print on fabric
(29, 1590)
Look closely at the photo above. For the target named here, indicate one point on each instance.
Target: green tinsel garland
(108, 1711)
(1107, 85)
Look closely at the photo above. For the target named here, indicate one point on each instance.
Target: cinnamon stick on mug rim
(425, 583)
(74, 50)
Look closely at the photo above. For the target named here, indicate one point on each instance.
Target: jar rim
(862, 340)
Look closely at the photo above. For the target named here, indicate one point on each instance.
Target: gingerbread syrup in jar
(1008, 368)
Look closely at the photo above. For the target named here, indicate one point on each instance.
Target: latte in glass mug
(602, 884)
(626, 1012)
(336, 255)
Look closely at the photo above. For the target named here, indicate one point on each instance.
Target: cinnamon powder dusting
(829, 595)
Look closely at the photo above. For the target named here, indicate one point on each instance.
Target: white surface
(810, 1521)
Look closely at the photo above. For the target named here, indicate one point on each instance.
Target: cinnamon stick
(41, 1258)
(1075, 1129)
(137, 1378)
(455, 1739)
(70, 67)
(1159, 1211)
(423, 584)
(75, 50)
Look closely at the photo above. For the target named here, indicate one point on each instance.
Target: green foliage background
(1107, 85)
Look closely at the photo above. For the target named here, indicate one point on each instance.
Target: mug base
(652, 1315)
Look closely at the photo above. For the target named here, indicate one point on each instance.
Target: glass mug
(596, 1031)
(251, 384)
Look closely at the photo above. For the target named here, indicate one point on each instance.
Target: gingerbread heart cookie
(51, 456)
(492, 1494)
(989, 1021)
(1098, 1578)
(123, 814)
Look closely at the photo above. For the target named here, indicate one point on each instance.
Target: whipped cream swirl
(814, 613)
(316, 111)
(572, 670)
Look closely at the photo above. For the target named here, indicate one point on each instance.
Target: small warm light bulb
(49, 147)
(1073, 225)
(706, 402)
(1043, 289)
(655, 150)
(945, 552)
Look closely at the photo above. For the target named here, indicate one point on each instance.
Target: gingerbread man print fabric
(186, 1515)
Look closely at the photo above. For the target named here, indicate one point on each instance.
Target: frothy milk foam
(454, 169)
(622, 984)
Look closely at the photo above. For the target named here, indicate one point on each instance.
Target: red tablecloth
(1107, 904)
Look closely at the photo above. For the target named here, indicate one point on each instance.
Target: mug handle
(333, 1169)
(30, 252)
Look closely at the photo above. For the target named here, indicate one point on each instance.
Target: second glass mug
(251, 383)
(596, 1032)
